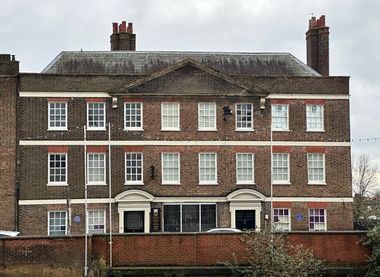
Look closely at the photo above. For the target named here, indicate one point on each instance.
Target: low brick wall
(336, 248)
(64, 256)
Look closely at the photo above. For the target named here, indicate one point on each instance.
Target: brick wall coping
(182, 234)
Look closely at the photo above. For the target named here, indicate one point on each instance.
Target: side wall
(8, 93)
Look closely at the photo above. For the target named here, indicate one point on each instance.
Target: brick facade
(186, 82)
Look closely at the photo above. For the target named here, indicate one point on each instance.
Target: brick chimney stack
(317, 45)
(122, 37)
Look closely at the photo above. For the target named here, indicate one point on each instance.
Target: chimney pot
(322, 21)
(114, 27)
(130, 28)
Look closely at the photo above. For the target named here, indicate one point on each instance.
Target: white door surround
(134, 200)
(246, 199)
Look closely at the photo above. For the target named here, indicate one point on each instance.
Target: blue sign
(299, 217)
(76, 219)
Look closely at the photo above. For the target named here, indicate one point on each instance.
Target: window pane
(57, 223)
(314, 117)
(244, 119)
(315, 168)
(208, 217)
(96, 222)
(57, 114)
(206, 116)
(280, 167)
(207, 167)
(57, 168)
(133, 115)
(96, 167)
(244, 168)
(170, 168)
(280, 117)
(281, 219)
(133, 167)
(96, 114)
(190, 218)
(317, 220)
(170, 115)
(172, 218)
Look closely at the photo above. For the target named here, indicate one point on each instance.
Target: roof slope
(146, 62)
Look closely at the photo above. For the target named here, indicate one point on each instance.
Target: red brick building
(183, 141)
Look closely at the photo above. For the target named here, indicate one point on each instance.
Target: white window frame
(236, 118)
(54, 183)
(138, 182)
(208, 182)
(316, 182)
(141, 128)
(48, 225)
(171, 182)
(281, 182)
(177, 128)
(325, 223)
(88, 169)
(104, 221)
(54, 128)
(213, 128)
(88, 115)
(245, 182)
(287, 118)
(308, 129)
(276, 224)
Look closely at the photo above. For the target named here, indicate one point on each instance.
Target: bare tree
(364, 173)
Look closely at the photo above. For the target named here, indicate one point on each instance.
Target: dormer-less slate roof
(148, 62)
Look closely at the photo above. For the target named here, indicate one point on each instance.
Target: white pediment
(134, 195)
(246, 195)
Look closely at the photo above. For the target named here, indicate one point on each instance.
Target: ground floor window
(57, 223)
(189, 217)
(317, 220)
(281, 220)
(96, 221)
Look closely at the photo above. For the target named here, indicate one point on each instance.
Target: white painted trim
(63, 94)
(308, 96)
(91, 183)
(185, 143)
(104, 220)
(144, 207)
(252, 206)
(308, 129)
(168, 199)
(105, 94)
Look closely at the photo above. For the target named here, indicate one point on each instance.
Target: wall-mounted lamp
(227, 112)
(114, 102)
(266, 216)
(152, 169)
(262, 103)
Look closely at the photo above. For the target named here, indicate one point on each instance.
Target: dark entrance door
(245, 219)
(134, 222)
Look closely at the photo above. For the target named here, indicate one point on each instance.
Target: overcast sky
(36, 31)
